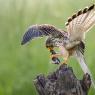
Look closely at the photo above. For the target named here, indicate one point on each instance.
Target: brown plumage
(70, 43)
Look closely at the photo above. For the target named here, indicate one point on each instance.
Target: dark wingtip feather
(85, 10)
(79, 12)
(91, 7)
(74, 16)
(69, 19)
(30, 34)
(26, 38)
(22, 43)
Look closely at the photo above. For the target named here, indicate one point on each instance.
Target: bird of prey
(70, 42)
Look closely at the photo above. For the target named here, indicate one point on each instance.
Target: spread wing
(81, 22)
(80, 58)
(40, 31)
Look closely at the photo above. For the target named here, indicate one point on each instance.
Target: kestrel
(70, 42)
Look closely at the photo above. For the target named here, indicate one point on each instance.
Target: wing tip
(91, 7)
(25, 40)
(86, 9)
(22, 43)
(28, 35)
(69, 20)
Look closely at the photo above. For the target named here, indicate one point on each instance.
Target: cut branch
(62, 82)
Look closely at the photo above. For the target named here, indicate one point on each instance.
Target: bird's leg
(64, 53)
(65, 60)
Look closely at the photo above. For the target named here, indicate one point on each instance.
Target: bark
(62, 82)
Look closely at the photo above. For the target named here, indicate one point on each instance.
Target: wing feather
(81, 22)
(40, 31)
(81, 60)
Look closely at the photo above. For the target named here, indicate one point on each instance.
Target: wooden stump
(62, 82)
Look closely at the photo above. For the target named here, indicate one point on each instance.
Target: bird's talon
(64, 63)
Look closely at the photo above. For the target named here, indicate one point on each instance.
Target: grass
(19, 65)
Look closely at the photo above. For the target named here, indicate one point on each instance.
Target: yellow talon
(64, 63)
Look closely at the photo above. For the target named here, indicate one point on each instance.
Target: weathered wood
(62, 82)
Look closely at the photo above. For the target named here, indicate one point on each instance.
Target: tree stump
(62, 82)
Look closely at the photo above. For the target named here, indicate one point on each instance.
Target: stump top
(62, 82)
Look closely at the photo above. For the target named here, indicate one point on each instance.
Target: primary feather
(40, 31)
(81, 22)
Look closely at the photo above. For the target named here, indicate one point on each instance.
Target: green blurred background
(19, 65)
